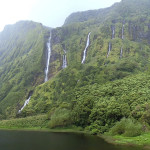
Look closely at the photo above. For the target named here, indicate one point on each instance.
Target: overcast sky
(51, 13)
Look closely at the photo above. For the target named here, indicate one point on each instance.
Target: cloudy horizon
(48, 12)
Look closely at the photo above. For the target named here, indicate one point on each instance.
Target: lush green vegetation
(143, 140)
(40, 121)
(105, 95)
(98, 94)
(127, 127)
(96, 107)
(22, 62)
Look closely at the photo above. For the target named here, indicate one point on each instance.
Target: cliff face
(22, 63)
(125, 24)
(117, 46)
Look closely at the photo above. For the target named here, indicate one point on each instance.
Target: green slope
(100, 92)
(135, 18)
(103, 90)
(22, 62)
(96, 106)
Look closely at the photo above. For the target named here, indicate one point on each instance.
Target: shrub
(97, 127)
(28, 122)
(60, 117)
(127, 127)
(133, 129)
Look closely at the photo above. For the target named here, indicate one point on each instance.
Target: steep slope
(124, 9)
(118, 49)
(125, 25)
(115, 46)
(22, 63)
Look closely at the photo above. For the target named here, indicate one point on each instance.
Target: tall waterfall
(25, 103)
(46, 70)
(122, 32)
(113, 31)
(85, 50)
(64, 60)
(109, 49)
(48, 58)
(121, 52)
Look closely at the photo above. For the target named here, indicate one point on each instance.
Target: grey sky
(51, 13)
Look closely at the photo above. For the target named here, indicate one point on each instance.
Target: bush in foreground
(60, 118)
(127, 127)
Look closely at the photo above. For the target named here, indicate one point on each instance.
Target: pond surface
(33, 140)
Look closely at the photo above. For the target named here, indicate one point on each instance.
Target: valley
(93, 73)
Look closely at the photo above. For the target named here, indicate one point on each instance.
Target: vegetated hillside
(125, 29)
(22, 63)
(125, 9)
(96, 107)
(109, 85)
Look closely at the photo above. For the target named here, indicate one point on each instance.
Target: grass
(61, 130)
(40, 122)
(32, 122)
(36, 123)
(142, 140)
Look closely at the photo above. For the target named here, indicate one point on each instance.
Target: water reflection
(30, 140)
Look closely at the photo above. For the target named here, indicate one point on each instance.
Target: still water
(32, 140)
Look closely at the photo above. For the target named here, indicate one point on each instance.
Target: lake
(35, 140)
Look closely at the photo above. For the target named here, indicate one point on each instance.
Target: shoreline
(59, 130)
(127, 141)
(115, 140)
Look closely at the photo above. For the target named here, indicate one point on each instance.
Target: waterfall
(87, 45)
(46, 70)
(109, 49)
(25, 103)
(48, 58)
(113, 31)
(121, 52)
(122, 32)
(64, 60)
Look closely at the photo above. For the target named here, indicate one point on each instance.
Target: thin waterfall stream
(25, 103)
(85, 50)
(46, 71)
(112, 37)
(109, 49)
(113, 31)
(64, 60)
(48, 58)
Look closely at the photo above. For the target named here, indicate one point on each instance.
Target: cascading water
(122, 32)
(113, 31)
(85, 50)
(64, 60)
(48, 58)
(121, 52)
(46, 69)
(25, 103)
(109, 49)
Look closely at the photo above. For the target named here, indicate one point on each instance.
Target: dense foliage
(22, 62)
(95, 95)
(97, 106)
(40, 121)
(127, 127)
